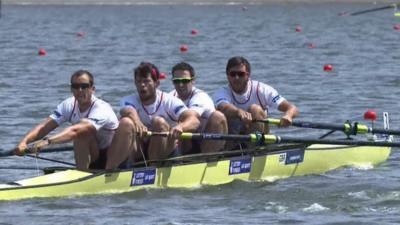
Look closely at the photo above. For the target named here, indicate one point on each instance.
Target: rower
(211, 120)
(93, 124)
(149, 110)
(244, 100)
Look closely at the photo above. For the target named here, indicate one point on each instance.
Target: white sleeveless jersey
(100, 114)
(166, 106)
(200, 102)
(257, 93)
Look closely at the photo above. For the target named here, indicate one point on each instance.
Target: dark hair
(145, 68)
(183, 66)
(237, 61)
(81, 73)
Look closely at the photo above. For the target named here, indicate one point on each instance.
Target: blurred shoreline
(180, 2)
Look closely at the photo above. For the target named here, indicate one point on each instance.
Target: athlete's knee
(125, 125)
(255, 108)
(218, 117)
(257, 111)
(159, 124)
(126, 122)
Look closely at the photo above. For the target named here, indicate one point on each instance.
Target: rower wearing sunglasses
(93, 124)
(244, 100)
(149, 110)
(211, 120)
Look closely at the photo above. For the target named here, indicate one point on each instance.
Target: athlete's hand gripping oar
(347, 128)
(375, 9)
(273, 139)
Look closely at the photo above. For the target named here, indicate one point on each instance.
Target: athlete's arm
(232, 112)
(188, 122)
(72, 132)
(36, 133)
(132, 114)
(290, 111)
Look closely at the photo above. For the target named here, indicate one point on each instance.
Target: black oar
(11, 152)
(374, 9)
(347, 128)
(274, 139)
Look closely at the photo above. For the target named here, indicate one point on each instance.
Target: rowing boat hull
(263, 165)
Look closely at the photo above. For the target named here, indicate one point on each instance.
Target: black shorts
(100, 162)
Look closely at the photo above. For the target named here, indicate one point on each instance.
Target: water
(362, 49)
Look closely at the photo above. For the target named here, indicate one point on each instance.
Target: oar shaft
(274, 139)
(347, 128)
(207, 136)
(279, 139)
(373, 10)
(11, 152)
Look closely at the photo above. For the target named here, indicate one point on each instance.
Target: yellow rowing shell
(190, 171)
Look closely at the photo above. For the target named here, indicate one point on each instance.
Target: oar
(347, 128)
(374, 9)
(274, 139)
(11, 152)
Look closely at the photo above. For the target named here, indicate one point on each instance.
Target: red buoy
(184, 48)
(370, 115)
(328, 68)
(299, 29)
(80, 34)
(194, 32)
(396, 27)
(163, 76)
(311, 45)
(42, 52)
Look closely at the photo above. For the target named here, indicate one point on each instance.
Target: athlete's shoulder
(129, 100)
(169, 97)
(262, 85)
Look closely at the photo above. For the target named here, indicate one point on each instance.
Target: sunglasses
(82, 86)
(237, 73)
(181, 80)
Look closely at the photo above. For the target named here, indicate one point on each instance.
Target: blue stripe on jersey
(276, 98)
(130, 104)
(177, 109)
(221, 99)
(95, 120)
(58, 115)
